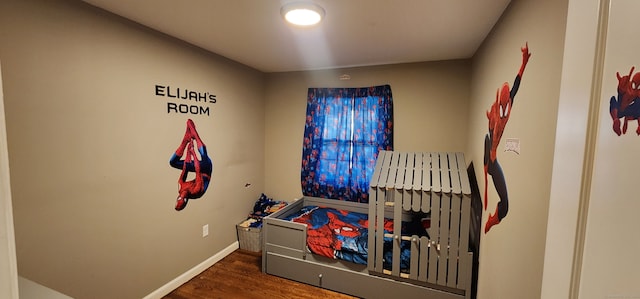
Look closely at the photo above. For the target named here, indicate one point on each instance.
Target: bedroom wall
(89, 143)
(430, 112)
(512, 252)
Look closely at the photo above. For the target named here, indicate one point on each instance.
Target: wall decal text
(185, 101)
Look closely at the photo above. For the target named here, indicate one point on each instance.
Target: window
(345, 128)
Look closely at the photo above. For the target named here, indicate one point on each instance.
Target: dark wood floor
(239, 275)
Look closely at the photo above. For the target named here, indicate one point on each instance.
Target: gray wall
(430, 102)
(512, 253)
(89, 144)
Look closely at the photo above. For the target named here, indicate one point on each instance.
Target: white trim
(571, 147)
(590, 149)
(191, 273)
(9, 274)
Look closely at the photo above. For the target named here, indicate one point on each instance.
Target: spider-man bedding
(341, 234)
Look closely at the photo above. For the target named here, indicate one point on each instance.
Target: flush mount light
(302, 13)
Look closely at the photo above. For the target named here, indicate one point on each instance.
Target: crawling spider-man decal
(626, 105)
(498, 117)
(201, 168)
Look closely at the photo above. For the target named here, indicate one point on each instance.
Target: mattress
(341, 234)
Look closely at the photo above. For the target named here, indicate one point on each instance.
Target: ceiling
(353, 32)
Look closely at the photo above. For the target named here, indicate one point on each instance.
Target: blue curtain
(344, 130)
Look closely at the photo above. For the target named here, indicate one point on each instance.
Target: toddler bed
(356, 249)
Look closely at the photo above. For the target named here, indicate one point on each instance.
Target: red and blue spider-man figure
(498, 117)
(202, 168)
(626, 104)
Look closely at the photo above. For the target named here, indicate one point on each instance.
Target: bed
(358, 249)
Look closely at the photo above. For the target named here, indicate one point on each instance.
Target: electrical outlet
(205, 230)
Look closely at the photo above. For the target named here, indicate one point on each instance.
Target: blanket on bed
(341, 234)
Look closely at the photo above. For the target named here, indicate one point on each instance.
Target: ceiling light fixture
(302, 13)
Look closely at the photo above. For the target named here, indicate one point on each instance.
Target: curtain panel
(345, 128)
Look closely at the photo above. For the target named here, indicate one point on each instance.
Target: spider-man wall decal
(202, 168)
(498, 116)
(626, 105)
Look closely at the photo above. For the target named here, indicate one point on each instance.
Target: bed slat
(426, 173)
(454, 173)
(384, 172)
(379, 232)
(417, 174)
(425, 198)
(415, 257)
(393, 170)
(426, 183)
(407, 197)
(408, 182)
(377, 170)
(402, 169)
(454, 234)
(435, 172)
(397, 232)
(445, 177)
(416, 199)
(373, 192)
(465, 263)
(434, 246)
(411, 166)
(424, 259)
(443, 261)
(464, 177)
(371, 243)
(464, 281)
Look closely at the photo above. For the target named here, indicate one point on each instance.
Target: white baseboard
(191, 273)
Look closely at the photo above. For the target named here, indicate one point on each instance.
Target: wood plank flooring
(239, 275)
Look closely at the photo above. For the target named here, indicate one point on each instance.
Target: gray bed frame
(403, 183)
